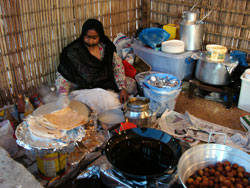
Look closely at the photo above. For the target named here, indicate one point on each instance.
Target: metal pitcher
(191, 31)
(137, 111)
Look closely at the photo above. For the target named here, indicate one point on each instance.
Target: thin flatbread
(39, 129)
(66, 119)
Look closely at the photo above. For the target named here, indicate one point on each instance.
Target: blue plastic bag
(241, 56)
(153, 36)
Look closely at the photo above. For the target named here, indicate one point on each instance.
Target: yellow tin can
(52, 165)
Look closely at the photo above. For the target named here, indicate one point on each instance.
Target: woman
(91, 62)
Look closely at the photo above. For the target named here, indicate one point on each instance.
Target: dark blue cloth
(241, 57)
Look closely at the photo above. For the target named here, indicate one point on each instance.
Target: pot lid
(138, 102)
(230, 62)
(190, 15)
(227, 61)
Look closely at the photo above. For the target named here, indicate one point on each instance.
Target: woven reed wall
(33, 33)
(228, 24)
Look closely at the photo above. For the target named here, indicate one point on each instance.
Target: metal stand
(225, 90)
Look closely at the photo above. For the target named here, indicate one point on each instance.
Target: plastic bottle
(28, 107)
(20, 107)
(36, 101)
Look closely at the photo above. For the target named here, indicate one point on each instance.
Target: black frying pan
(143, 152)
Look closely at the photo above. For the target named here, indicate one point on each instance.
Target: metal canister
(191, 31)
(137, 111)
(51, 165)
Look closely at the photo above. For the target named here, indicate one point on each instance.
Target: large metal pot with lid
(137, 111)
(212, 72)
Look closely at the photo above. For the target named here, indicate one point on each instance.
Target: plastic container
(173, 30)
(160, 101)
(162, 76)
(110, 118)
(180, 65)
(140, 78)
(7, 140)
(247, 74)
(244, 99)
(161, 98)
(173, 46)
(216, 52)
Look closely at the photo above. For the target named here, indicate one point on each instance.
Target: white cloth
(97, 99)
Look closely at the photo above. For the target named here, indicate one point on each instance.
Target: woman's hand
(123, 96)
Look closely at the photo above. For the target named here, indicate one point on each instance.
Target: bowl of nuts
(214, 165)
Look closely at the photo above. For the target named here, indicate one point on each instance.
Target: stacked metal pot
(213, 66)
(214, 72)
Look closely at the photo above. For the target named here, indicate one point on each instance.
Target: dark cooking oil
(142, 156)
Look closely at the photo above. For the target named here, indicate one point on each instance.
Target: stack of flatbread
(65, 119)
(54, 125)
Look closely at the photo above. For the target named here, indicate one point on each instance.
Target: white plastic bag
(97, 99)
(6, 138)
(123, 48)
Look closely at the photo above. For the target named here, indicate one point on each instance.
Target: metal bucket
(203, 155)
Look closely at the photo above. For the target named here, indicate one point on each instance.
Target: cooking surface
(132, 160)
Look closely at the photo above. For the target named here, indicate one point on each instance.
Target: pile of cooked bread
(55, 125)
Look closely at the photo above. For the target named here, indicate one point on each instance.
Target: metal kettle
(137, 111)
(191, 31)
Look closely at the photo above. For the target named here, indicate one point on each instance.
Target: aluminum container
(191, 31)
(214, 73)
(203, 155)
(137, 111)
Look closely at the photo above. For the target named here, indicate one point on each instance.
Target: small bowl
(110, 118)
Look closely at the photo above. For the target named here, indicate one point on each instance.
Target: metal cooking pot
(215, 73)
(143, 153)
(203, 155)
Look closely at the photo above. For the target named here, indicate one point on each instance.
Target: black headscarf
(93, 24)
(80, 67)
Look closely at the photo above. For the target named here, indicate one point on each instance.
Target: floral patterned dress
(64, 86)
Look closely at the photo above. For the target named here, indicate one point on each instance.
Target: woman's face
(91, 38)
